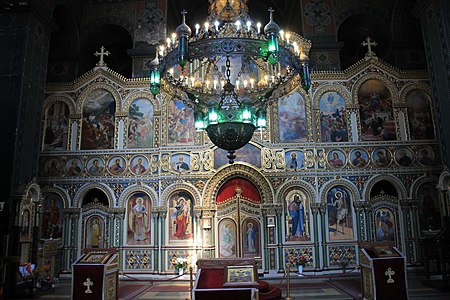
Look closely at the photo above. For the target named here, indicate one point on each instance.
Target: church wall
(346, 197)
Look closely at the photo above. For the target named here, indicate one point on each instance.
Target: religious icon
(139, 165)
(25, 229)
(181, 227)
(180, 163)
(333, 118)
(295, 160)
(140, 124)
(138, 219)
(94, 232)
(227, 238)
(297, 218)
(376, 112)
(52, 218)
(95, 166)
(428, 207)
(116, 165)
(98, 121)
(74, 167)
(251, 235)
(292, 118)
(385, 225)
(336, 158)
(419, 116)
(180, 123)
(404, 157)
(425, 156)
(56, 134)
(52, 167)
(340, 221)
(359, 158)
(381, 157)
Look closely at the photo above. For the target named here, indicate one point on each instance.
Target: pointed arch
(78, 198)
(398, 185)
(138, 187)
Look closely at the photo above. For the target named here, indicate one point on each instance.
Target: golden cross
(369, 43)
(102, 53)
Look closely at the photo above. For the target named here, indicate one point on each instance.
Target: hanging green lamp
(183, 32)
(155, 77)
(272, 30)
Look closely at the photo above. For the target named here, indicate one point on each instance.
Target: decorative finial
(102, 53)
(183, 29)
(271, 13)
(184, 12)
(369, 43)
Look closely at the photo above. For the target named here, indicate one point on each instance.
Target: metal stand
(288, 275)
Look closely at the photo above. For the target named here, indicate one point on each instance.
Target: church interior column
(278, 222)
(315, 213)
(74, 130)
(408, 234)
(323, 223)
(161, 255)
(156, 242)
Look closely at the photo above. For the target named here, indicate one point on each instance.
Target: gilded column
(162, 215)
(323, 223)
(359, 212)
(155, 216)
(315, 212)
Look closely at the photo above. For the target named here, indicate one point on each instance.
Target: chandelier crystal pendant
(230, 72)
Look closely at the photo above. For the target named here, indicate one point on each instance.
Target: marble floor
(333, 287)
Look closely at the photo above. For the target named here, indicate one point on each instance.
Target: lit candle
(207, 84)
(266, 79)
(192, 81)
(288, 36)
(249, 24)
(174, 36)
(252, 83)
(237, 85)
(168, 43)
(222, 83)
(282, 35)
(215, 84)
(216, 25)
(258, 26)
(197, 28)
(206, 27)
(161, 50)
(238, 25)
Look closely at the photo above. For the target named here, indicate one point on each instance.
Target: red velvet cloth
(214, 279)
(210, 279)
(249, 190)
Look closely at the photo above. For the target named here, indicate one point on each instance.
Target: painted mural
(340, 219)
(249, 154)
(74, 166)
(297, 217)
(336, 159)
(181, 162)
(359, 158)
(227, 238)
(376, 112)
(116, 165)
(95, 166)
(428, 207)
(56, 134)
(52, 217)
(52, 167)
(251, 237)
(404, 157)
(94, 232)
(385, 225)
(139, 165)
(292, 118)
(140, 124)
(333, 118)
(381, 157)
(181, 227)
(425, 156)
(419, 116)
(98, 121)
(180, 123)
(138, 215)
(294, 160)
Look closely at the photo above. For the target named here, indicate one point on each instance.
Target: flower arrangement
(299, 260)
(181, 263)
(28, 271)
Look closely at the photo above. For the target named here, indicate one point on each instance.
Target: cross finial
(369, 43)
(184, 12)
(271, 13)
(102, 53)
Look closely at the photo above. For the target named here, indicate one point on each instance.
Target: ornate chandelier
(230, 70)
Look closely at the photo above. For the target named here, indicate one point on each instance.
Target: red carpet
(171, 288)
(129, 291)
